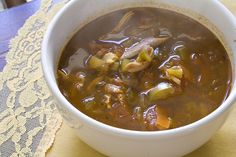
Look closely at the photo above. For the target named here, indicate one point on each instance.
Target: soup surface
(145, 69)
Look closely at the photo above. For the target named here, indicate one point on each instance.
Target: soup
(145, 69)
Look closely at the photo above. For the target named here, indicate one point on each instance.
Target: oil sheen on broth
(145, 69)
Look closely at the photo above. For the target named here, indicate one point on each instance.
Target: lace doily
(28, 118)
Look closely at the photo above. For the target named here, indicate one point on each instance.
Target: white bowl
(120, 142)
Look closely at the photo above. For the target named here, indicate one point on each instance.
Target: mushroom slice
(134, 50)
(117, 31)
(135, 66)
(142, 62)
(122, 22)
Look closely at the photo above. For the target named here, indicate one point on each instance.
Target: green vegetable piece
(110, 58)
(115, 66)
(135, 66)
(124, 62)
(95, 63)
(146, 54)
(137, 112)
(175, 71)
(161, 91)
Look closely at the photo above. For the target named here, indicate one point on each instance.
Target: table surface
(222, 144)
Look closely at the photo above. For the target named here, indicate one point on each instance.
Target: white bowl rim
(119, 131)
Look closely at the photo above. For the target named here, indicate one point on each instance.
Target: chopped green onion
(110, 58)
(115, 66)
(95, 63)
(175, 71)
(124, 62)
(161, 91)
(146, 54)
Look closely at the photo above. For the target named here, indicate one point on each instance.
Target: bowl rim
(183, 130)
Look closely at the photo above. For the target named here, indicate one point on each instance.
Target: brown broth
(205, 84)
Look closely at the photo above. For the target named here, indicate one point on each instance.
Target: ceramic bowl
(113, 141)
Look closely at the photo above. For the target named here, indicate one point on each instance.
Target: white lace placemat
(28, 118)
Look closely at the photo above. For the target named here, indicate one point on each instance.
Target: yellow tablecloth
(222, 144)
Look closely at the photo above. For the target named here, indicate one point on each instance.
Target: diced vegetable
(146, 54)
(111, 88)
(142, 61)
(80, 76)
(115, 66)
(135, 66)
(95, 63)
(161, 91)
(121, 99)
(137, 112)
(110, 58)
(174, 74)
(107, 100)
(175, 79)
(124, 62)
(175, 71)
(163, 121)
